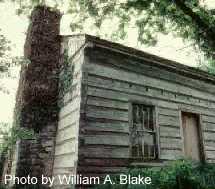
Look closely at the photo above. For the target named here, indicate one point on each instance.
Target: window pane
(149, 145)
(148, 118)
(144, 145)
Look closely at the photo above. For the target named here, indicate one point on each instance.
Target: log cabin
(99, 107)
(127, 107)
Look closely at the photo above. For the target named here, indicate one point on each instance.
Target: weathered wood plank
(100, 56)
(107, 162)
(210, 154)
(66, 134)
(69, 120)
(98, 169)
(196, 109)
(65, 148)
(67, 160)
(66, 153)
(114, 83)
(115, 73)
(62, 171)
(117, 95)
(169, 131)
(208, 119)
(171, 154)
(209, 127)
(106, 113)
(153, 93)
(210, 148)
(77, 62)
(77, 79)
(114, 140)
(69, 108)
(74, 45)
(209, 143)
(104, 152)
(171, 143)
(103, 102)
(166, 120)
(110, 126)
(210, 160)
(209, 136)
(168, 112)
(69, 96)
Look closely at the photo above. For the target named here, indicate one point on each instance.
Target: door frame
(200, 133)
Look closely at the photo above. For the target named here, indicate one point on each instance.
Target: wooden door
(190, 123)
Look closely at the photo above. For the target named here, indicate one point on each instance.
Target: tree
(4, 48)
(6, 61)
(187, 18)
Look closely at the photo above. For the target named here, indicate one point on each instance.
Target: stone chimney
(36, 104)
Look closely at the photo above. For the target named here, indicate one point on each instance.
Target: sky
(14, 28)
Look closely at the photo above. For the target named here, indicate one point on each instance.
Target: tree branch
(202, 25)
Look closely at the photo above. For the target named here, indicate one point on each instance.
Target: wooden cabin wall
(66, 148)
(110, 82)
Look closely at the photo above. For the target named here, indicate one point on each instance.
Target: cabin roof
(154, 60)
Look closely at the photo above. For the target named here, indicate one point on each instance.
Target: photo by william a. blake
(121, 179)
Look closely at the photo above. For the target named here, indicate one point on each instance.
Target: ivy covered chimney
(37, 95)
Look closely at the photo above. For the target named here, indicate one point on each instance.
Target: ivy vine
(65, 77)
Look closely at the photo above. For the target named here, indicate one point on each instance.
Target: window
(143, 132)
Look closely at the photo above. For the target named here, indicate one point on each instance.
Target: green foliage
(188, 18)
(10, 136)
(4, 49)
(66, 77)
(31, 187)
(209, 67)
(3, 187)
(25, 187)
(13, 134)
(179, 175)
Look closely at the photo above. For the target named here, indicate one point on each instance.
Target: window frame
(156, 131)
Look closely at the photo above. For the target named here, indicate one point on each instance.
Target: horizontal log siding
(66, 148)
(209, 136)
(111, 82)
